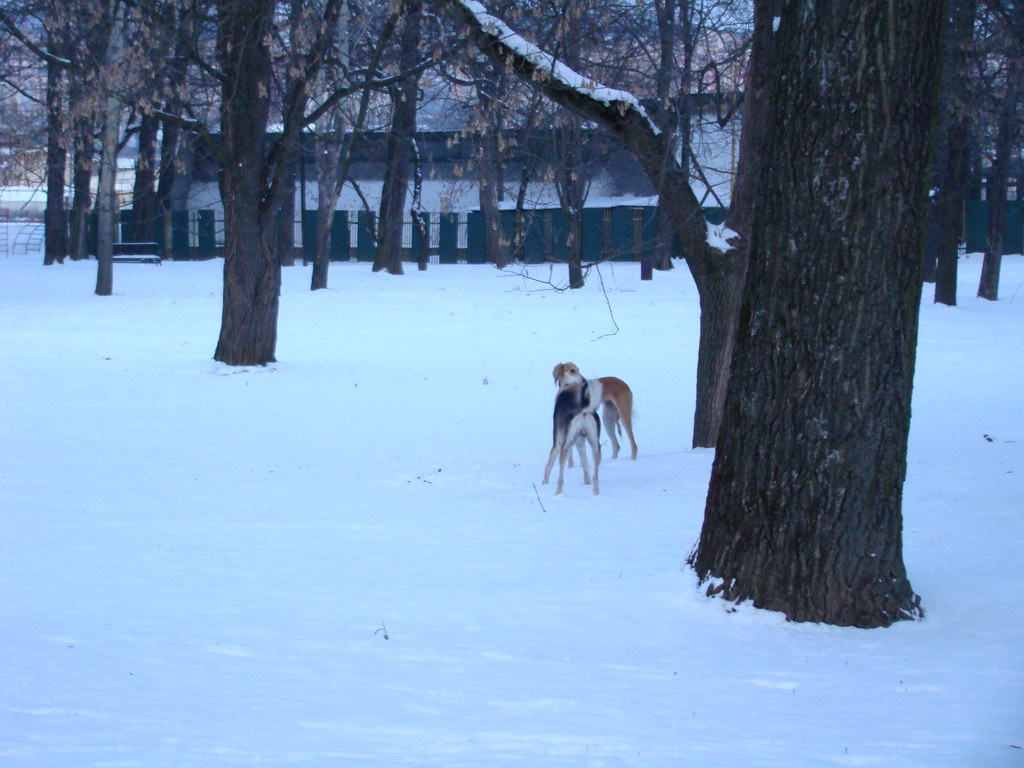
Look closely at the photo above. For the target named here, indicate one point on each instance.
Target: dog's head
(566, 373)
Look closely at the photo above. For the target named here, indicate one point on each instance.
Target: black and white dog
(575, 423)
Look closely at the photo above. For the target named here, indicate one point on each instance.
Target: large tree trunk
(55, 217)
(804, 510)
(399, 159)
(252, 271)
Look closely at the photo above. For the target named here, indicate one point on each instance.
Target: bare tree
(70, 38)
(715, 272)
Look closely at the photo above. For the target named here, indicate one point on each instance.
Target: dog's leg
(595, 446)
(581, 447)
(626, 412)
(561, 468)
(551, 463)
(610, 417)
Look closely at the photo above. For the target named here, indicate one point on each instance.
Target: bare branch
(34, 47)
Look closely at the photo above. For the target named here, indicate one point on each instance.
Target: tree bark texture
(720, 292)
(804, 508)
(400, 138)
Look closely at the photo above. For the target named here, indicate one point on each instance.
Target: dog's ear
(556, 372)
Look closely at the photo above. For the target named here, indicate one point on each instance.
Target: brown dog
(614, 396)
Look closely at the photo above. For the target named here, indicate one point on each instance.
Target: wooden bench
(137, 253)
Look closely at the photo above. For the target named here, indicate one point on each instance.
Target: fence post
(366, 244)
(309, 222)
(206, 235)
(180, 248)
(339, 236)
(448, 238)
(476, 238)
(1014, 238)
(593, 246)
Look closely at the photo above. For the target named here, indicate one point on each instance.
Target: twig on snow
(611, 314)
(538, 498)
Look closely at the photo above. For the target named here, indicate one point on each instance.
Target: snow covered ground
(346, 558)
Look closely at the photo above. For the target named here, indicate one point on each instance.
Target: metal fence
(621, 233)
(976, 226)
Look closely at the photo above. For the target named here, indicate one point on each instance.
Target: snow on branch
(14, 30)
(564, 85)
